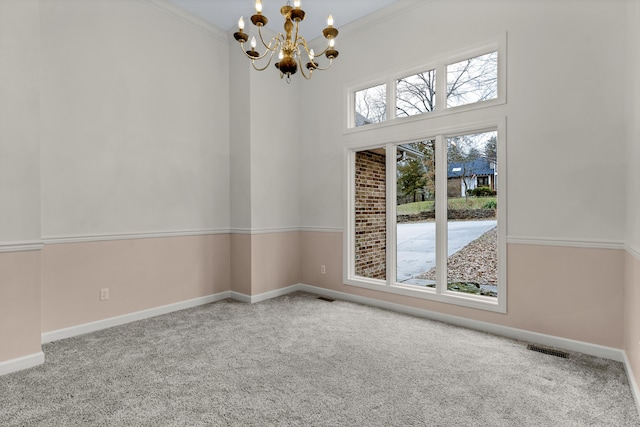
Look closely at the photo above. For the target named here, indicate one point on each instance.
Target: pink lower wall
(140, 274)
(574, 293)
(264, 262)
(632, 314)
(275, 261)
(241, 263)
(19, 304)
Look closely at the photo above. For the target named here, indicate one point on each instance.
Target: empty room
(381, 212)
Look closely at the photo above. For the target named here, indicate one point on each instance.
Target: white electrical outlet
(323, 270)
(104, 294)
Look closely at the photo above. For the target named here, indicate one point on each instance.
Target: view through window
(424, 214)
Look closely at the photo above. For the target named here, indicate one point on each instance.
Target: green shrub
(490, 204)
(481, 192)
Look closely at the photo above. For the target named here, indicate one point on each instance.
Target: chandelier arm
(304, 74)
(327, 67)
(275, 39)
(253, 63)
(323, 52)
(254, 58)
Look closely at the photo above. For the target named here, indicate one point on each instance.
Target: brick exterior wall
(370, 215)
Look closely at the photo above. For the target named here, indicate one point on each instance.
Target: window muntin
(472, 80)
(371, 105)
(416, 94)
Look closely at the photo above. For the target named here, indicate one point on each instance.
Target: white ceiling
(224, 14)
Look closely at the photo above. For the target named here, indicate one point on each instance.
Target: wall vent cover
(549, 351)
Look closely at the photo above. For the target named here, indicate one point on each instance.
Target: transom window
(469, 80)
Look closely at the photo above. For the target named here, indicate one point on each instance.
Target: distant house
(465, 176)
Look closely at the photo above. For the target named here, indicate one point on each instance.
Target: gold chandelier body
(290, 46)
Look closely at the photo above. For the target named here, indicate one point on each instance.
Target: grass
(454, 203)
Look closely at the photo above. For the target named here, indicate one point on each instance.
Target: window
(422, 225)
(426, 211)
(371, 105)
(469, 80)
(416, 94)
(472, 80)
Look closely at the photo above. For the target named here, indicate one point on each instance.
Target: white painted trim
(575, 243)
(321, 229)
(252, 299)
(24, 362)
(51, 240)
(130, 317)
(635, 391)
(633, 252)
(505, 331)
(20, 246)
(188, 19)
(240, 297)
(265, 230)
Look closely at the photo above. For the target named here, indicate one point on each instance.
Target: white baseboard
(635, 391)
(251, 299)
(131, 317)
(21, 363)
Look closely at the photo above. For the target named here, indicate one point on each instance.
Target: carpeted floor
(299, 360)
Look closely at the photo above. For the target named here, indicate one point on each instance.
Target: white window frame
(438, 125)
(440, 293)
(440, 66)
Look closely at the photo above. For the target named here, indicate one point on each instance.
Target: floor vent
(326, 299)
(548, 351)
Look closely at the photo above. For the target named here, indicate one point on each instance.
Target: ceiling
(224, 14)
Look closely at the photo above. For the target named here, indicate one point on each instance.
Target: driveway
(417, 244)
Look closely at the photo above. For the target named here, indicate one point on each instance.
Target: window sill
(466, 300)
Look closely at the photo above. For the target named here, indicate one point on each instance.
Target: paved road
(417, 244)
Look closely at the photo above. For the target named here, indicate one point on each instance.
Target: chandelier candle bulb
(330, 21)
(258, 6)
(296, 4)
(241, 24)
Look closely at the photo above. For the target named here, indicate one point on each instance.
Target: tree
(411, 178)
(416, 94)
(472, 80)
(490, 151)
(371, 104)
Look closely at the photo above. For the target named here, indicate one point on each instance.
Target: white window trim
(499, 45)
(440, 294)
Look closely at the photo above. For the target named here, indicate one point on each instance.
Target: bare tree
(416, 94)
(371, 105)
(472, 80)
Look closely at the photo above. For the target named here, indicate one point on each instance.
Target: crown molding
(187, 18)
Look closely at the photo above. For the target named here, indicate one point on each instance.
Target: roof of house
(475, 167)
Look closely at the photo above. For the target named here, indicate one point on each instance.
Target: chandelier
(290, 46)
